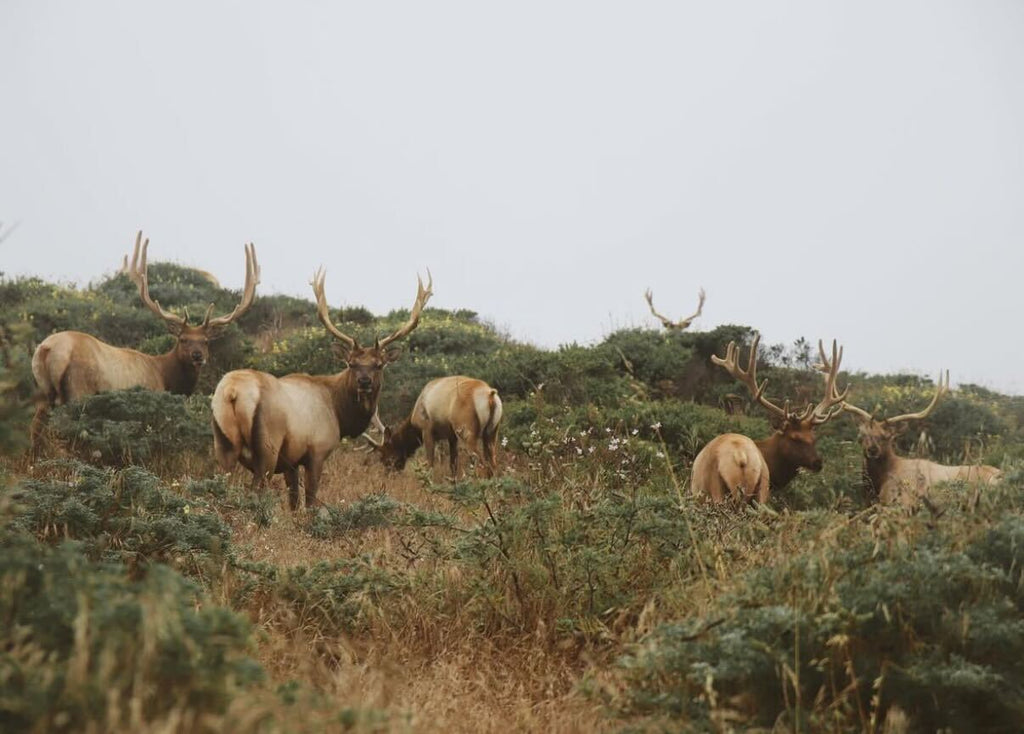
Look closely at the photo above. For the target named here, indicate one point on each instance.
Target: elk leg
(491, 454)
(428, 448)
(453, 455)
(473, 447)
(38, 422)
(291, 478)
(314, 468)
(762, 488)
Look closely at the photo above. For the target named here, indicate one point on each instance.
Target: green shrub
(134, 426)
(127, 516)
(85, 647)
(830, 635)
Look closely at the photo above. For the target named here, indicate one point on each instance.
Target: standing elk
(274, 425)
(449, 408)
(669, 323)
(737, 466)
(896, 479)
(69, 364)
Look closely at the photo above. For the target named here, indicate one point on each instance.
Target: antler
(829, 368)
(252, 279)
(138, 271)
(749, 377)
(324, 314)
(833, 402)
(940, 390)
(422, 296)
(669, 323)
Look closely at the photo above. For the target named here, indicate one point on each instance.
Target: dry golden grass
(426, 674)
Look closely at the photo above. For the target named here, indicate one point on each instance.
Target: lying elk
(274, 425)
(456, 409)
(669, 323)
(893, 478)
(735, 465)
(69, 364)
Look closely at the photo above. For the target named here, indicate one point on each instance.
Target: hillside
(583, 589)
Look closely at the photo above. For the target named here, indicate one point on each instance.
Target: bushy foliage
(85, 646)
(134, 426)
(840, 636)
(331, 597)
(128, 516)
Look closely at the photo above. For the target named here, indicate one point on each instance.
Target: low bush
(134, 426)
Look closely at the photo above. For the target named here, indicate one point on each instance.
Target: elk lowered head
(395, 448)
(366, 364)
(193, 340)
(794, 430)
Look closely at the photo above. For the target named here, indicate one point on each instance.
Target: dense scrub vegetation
(582, 589)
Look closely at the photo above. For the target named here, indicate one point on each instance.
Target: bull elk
(69, 364)
(669, 323)
(735, 465)
(274, 425)
(456, 409)
(896, 479)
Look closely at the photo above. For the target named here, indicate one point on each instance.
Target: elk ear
(391, 354)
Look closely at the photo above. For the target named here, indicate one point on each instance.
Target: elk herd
(277, 425)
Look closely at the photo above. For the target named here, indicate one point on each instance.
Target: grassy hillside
(582, 590)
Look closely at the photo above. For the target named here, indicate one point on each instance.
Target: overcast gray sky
(850, 169)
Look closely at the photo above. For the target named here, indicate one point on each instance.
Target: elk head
(366, 364)
(193, 340)
(794, 440)
(877, 435)
(669, 323)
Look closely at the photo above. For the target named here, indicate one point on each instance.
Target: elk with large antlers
(69, 364)
(274, 425)
(669, 323)
(453, 409)
(896, 479)
(734, 465)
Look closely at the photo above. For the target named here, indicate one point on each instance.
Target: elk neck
(179, 377)
(354, 409)
(877, 469)
(780, 470)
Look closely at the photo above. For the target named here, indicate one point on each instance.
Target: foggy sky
(822, 169)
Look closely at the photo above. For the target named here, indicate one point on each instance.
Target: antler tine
(749, 377)
(826, 366)
(826, 409)
(940, 390)
(323, 312)
(422, 296)
(252, 279)
(669, 323)
(138, 272)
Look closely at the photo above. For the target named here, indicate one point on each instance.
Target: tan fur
(459, 409)
(71, 364)
(274, 425)
(905, 481)
(730, 465)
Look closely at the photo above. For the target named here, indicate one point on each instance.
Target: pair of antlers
(138, 271)
(825, 410)
(423, 295)
(669, 323)
(941, 388)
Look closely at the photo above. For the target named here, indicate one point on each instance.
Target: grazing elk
(69, 364)
(449, 408)
(274, 425)
(669, 323)
(896, 479)
(735, 465)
